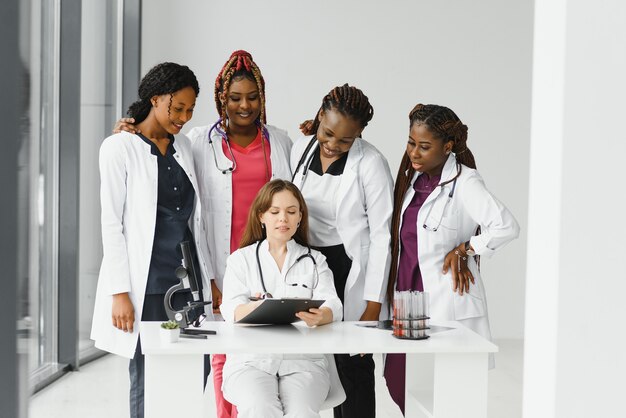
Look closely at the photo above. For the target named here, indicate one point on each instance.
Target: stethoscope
(305, 160)
(267, 294)
(450, 194)
(233, 164)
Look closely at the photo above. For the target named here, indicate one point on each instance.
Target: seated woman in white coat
(444, 218)
(275, 260)
(150, 204)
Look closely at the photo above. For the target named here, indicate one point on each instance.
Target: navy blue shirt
(174, 207)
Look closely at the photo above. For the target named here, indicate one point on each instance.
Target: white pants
(260, 394)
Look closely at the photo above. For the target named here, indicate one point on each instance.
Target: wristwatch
(468, 250)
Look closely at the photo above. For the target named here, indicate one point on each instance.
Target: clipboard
(279, 311)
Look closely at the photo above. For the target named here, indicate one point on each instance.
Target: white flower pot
(169, 335)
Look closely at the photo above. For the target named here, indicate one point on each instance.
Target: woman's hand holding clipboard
(286, 311)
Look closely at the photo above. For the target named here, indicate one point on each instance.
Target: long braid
(239, 65)
(349, 101)
(445, 125)
(403, 180)
(164, 78)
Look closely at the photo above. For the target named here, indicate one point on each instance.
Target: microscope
(193, 313)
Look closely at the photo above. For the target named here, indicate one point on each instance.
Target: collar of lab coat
(216, 138)
(355, 153)
(224, 160)
(182, 154)
(294, 250)
(448, 172)
(178, 153)
(349, 176)
(449, 168)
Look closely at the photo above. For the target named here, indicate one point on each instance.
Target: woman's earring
(262, 225)
(298, 226)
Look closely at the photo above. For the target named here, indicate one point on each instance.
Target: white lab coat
(128, 193)
(364, 208)
(216, 188)
(242, 280)
(471, 205)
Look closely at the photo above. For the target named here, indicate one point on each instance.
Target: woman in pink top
(233, 158)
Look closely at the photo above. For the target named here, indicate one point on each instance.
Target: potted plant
(169, 332)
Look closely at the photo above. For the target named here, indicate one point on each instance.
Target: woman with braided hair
(444, 218)
(348, 189)
(234, 158)
(150, 203)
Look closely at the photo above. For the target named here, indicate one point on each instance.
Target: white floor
(100, 389)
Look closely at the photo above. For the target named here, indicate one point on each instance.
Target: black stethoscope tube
(258, 263)
(305, 162)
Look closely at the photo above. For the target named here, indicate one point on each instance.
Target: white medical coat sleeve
(297, 150)
(196, 135)
(498, 226)
(282, 136)
(241, 281)
(115, 266)
(204, 254)
(378, 188)
(236, 290)
(326, 287)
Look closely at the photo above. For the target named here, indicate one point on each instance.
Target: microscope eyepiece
(181, 272)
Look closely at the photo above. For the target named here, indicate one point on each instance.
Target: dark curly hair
(164, 78)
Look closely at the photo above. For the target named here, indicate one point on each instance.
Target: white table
(453, 385)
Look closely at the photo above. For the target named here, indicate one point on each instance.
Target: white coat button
(175, 188)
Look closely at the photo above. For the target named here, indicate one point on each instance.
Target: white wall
(474, 57)
(575, 339)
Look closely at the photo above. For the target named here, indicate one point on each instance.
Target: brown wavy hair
(262, 202)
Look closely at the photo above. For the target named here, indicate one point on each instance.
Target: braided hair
(164, 78)
(349, 101)
(239, 65)
(446, 126)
